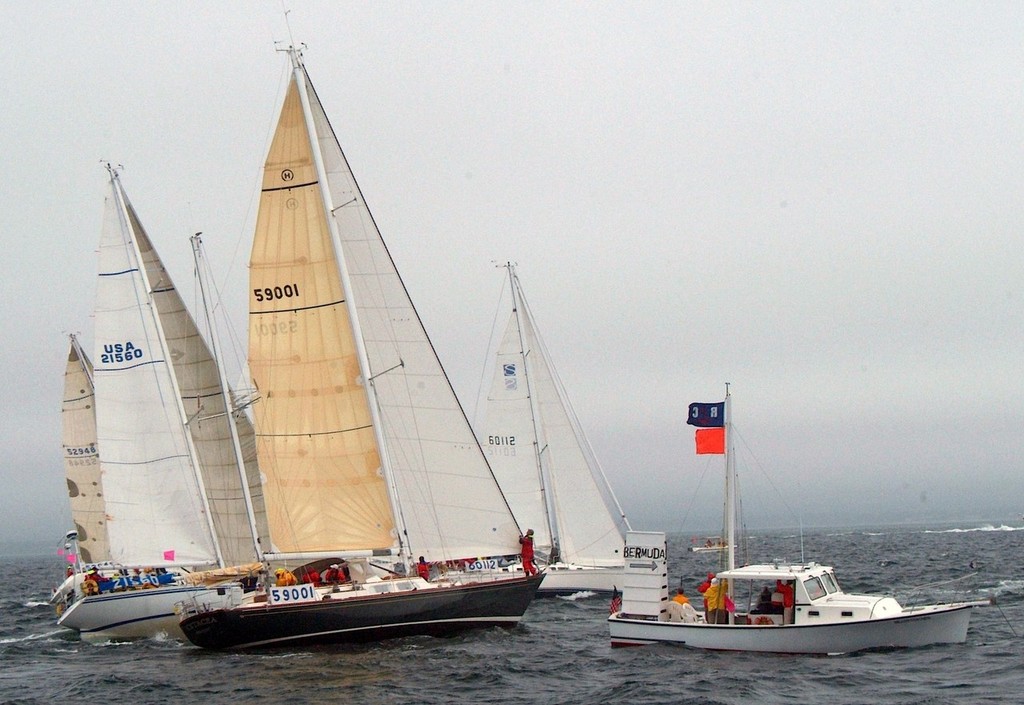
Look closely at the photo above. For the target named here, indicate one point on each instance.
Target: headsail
(156, 511)
(81, 460)
(540, 453)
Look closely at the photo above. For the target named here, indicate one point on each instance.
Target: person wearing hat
(284, 578)
(527, 543)
(333, 575)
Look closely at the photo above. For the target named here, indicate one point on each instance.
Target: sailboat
(368, 456)
(172, 501)
(545, 465)
(805, 610)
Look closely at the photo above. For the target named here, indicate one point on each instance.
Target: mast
(517, 302)
(730, 485)
(229, 400)
(300, 78)
(179, 405)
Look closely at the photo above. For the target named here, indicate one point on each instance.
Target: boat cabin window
(831, 584)
(814, 588)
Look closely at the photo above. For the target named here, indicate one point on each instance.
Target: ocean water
(560, 652)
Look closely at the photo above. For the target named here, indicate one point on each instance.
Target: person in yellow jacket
(715, 596)
(285, 578)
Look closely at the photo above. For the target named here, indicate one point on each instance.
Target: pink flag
(70, 557)
(60, 551)
(730, 606)
(169, 555)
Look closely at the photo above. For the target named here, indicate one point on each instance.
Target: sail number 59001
(272, 293)
(291, 593)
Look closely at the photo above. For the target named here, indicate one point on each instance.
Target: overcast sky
(819, 203)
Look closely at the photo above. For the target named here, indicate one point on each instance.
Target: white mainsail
(156, 513)
(541, 456)
(81, 460)
(359, 433)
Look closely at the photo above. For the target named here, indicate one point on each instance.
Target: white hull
(132, 614)
(934, 624)
(567, 578)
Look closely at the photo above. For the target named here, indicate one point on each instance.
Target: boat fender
(90, 587)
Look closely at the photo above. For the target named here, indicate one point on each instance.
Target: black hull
(436, 612)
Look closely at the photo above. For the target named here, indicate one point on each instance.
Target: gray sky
(817, 202)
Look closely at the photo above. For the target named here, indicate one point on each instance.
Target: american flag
(616, 601)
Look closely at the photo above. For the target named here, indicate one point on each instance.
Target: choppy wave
(561, 652)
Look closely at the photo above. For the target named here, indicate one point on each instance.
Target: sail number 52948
(272, 293)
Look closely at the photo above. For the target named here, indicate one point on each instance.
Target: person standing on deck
(527, 543)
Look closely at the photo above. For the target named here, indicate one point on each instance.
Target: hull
(437, 611)
(568, 579)
(935, 624)
(131, 614)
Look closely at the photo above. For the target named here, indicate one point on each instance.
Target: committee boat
(545, 464)
(157, 477)
(803, 609)
(368, 456)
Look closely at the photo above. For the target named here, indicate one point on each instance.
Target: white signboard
(645, 582)
(291, 593)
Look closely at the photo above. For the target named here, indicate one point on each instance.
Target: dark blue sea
(560, 652)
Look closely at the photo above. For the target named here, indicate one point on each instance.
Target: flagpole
(730, 484)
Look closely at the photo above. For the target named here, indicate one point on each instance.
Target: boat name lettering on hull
(655, 552)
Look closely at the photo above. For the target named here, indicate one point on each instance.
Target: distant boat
(172, 488)
(712, 544)
(545, 464)
(368, 456)
(816, 617)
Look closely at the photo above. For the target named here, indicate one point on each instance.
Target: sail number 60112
(272, 293)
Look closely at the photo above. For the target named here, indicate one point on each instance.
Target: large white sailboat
(546, 466)
(367, 453)
(806, 611)
(173, 498)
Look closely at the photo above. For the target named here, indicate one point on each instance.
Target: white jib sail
(155, 511)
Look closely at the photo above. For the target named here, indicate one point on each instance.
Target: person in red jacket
(423, 568)
(527, 543)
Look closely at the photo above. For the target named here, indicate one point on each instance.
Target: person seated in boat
(526, 542)
(680, 611)
(285, 578)
(92, 576)
(311, 576)
(333, 575)
(680, 597)
(764, 601)
(423, 569)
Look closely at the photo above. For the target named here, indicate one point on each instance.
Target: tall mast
(229, 400)
(517, 304)
(730, 484)
(193, 455)
(299, 76)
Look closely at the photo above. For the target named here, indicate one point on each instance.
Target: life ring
(90, 587)
(764, 620)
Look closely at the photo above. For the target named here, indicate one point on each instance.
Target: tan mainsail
(324, 487)
(81, 461)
